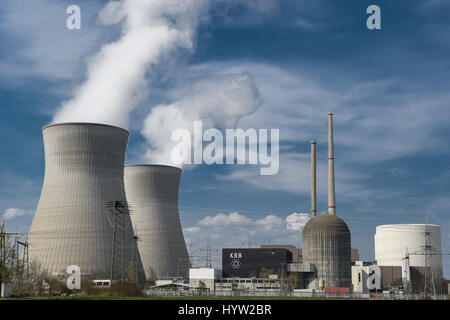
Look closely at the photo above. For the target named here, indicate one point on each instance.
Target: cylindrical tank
(83, 172)
(393, 241)
(152, 193)
(327, 244)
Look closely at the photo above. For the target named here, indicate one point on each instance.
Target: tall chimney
(313, 178)
(331, 195)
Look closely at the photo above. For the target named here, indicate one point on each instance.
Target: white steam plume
(115, 82)
(218, 101)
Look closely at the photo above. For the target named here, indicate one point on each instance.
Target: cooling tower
(326, 238)
(72, 224)
(152, 193)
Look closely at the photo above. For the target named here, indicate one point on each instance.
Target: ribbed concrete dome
(327, 244)
(325, 221)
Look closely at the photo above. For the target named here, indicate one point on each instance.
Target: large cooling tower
(393, 241)
(73, 224)
(152, 193)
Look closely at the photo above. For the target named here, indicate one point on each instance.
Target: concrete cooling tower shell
(327, 244)
(392, 241)
(83, 172)
(152, 193)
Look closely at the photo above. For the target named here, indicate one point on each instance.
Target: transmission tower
(429, 274)
(117, 212)
(208, 252)
(407, 272)
(134, 255)
(25, 260)
(208, 262)
(249, 243)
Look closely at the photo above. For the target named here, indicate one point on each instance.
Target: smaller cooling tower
(152, 193)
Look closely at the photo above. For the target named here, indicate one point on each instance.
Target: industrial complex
(122, 223)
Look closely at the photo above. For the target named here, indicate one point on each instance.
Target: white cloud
(218, 100)
(221, 219)
(12, 213)
(270, 223)
(304, 23)
(236, 230)
(194, 229)
(296, 221)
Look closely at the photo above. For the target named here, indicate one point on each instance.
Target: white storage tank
(393, 241)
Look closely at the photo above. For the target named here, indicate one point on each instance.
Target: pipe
(331, 189)
(313, 178)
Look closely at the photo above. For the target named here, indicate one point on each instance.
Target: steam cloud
(116, 81)
(116, 78)
(218, 101)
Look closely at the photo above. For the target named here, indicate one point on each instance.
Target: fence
(300, 295)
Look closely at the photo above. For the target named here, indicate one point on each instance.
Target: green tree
(201, 287)
(131, 272)
(264, 274)
(8, 258)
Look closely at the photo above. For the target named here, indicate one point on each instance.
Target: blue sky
(388, 89)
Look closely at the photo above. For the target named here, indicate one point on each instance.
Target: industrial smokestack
(72, 225)
(152, 192)
(313, 179)
(331, 194)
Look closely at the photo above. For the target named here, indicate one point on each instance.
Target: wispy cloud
(12, 213)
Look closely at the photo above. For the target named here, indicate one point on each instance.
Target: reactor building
(83, 188)
(152, 193)
(326, 237)
(421, 243)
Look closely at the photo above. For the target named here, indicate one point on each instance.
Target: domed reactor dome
(327, 244)
(326, 238)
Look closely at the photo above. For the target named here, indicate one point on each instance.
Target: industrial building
(326, 238)
(82, 192)
(208, 276)
(214, 282)
(250, 262)
(297, 253)
(152, 193)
